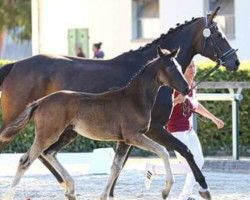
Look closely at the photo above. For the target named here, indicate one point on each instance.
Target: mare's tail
(11, 130)
(4, 71)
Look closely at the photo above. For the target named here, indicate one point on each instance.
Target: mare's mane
(164, 35)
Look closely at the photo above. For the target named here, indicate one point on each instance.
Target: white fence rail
(234, 97)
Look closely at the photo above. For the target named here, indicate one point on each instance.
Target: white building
(122, 25)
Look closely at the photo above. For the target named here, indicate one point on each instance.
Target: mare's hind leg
(142, 141)
(120, 156)
(3, 144)
(160, 135)
(6, 141)
(69, 182)
(24, 163)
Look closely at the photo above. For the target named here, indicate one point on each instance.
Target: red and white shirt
(180, 120)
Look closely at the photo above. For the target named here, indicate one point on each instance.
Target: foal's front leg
(142, 141)
(120, 156)
(160, 135)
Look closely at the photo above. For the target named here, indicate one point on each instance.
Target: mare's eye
(218, 35)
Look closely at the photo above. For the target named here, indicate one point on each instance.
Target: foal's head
(170, 72)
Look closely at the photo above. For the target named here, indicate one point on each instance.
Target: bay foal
(121, 115)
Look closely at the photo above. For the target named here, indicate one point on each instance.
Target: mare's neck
(144, 87)
(184, 37)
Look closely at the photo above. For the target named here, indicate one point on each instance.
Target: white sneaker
(149, 175)
(187, 197)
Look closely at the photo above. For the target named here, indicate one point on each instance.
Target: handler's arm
(204, 112)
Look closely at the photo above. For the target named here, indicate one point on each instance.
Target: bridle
(209, 37)
(220, 60)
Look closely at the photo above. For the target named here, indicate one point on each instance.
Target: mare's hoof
(205, 194)
(165, 193)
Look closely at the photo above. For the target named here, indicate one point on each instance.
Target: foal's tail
(4, 71)
(12, 129)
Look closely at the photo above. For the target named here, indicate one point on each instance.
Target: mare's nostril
(237, 62)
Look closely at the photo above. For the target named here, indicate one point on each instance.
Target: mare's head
(170, 72)
(212, 43)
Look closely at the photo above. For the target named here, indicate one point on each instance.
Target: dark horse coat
(121, 115)
(32, 78)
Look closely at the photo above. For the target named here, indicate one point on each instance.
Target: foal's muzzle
(186, 91)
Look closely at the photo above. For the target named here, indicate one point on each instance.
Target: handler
(180, 125)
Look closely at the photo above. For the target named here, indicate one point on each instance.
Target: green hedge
(4, 62)
(214, 142)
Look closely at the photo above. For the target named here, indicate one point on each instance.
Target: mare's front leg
(142, 141)
(120, 156)
(111, 194)
(160, 135)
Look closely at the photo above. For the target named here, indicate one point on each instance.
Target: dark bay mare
(30, 79)
(123, 115)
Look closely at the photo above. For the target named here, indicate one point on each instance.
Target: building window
(145, 19)
(226, 17)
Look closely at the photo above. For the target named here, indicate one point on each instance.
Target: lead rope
(196, 85)
(206, 75)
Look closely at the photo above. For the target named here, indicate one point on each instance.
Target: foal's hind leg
(142, 141)
(65, 138)
(24, 163)
(69, 182)
(120, 156)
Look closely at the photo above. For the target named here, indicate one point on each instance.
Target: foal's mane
(150, 62)
(164, 35)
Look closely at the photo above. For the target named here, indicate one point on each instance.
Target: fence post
(235, 127)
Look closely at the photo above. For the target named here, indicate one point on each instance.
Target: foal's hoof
(165, 193)
(70, 197)
(205, 194)
(106, 198)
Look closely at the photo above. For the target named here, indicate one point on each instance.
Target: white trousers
(191, 140)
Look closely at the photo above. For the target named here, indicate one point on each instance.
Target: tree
(16, 13)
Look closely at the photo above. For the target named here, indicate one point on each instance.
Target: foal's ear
(160, 52)
(213, 14)
(175, 52)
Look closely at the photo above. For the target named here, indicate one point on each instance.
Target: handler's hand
(179, 99)
(219, 123)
